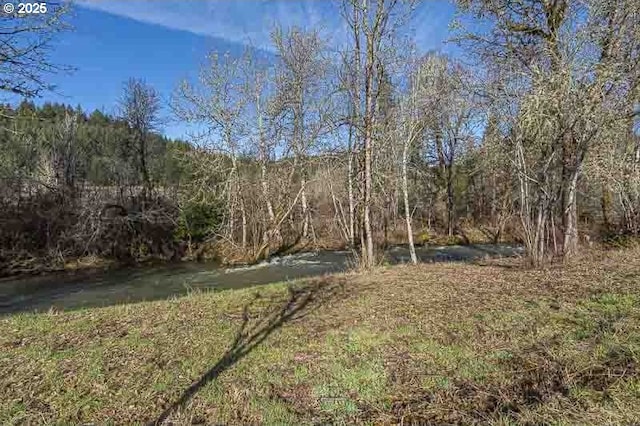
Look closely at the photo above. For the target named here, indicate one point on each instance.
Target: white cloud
(244, 22)
(250, 22)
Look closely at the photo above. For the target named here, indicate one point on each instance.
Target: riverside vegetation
(533, 138)
(529, 134)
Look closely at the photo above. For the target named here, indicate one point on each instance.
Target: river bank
(490, 342)
(24, 265)
(95, 288)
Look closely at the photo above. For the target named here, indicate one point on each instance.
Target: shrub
(197, 221)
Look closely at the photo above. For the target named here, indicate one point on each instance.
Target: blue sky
(164, 41)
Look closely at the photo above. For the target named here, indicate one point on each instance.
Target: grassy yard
(432, 344)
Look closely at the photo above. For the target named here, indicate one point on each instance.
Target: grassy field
(432, 344)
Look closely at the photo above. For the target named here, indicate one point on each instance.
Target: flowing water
(128, 285)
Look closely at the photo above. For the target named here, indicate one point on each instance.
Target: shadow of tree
(301, 301)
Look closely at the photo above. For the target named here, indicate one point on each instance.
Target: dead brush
(535, 379)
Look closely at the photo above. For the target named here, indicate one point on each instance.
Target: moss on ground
(443, 343)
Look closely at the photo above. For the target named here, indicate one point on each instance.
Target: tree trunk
(541, 245)
(357, 116)
(232, 196)
(265, 194)
(405, 193)
(570, 215)
(352, 208)
(273, 230)
(243, 217)
(305, 208)
(368, 154)
(450, 202)
(244, 224)
(367, 201)
(368, 121)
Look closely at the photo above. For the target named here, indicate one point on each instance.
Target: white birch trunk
(305, 208)
(405, 193)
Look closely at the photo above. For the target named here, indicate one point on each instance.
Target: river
(65, 291)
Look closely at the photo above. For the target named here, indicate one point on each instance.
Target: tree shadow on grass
(301, 301)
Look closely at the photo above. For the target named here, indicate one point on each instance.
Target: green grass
(446, 343)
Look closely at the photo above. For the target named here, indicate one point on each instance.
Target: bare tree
(64, 155)
(564, 65)
(451, 123)
(25, 45)
(217, 103)
(259, 86)
(140, 109)
(412, 117)
(373, 25)
(301, 96)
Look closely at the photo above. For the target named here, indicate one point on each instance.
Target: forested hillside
(32, 135)
(67, 176)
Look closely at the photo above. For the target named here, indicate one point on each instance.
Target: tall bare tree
(373, 26)
(451, 124)
(564, 65)
(302, 96)
(216, 104)
(412, 120)
(257, 85)
(140, 109)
